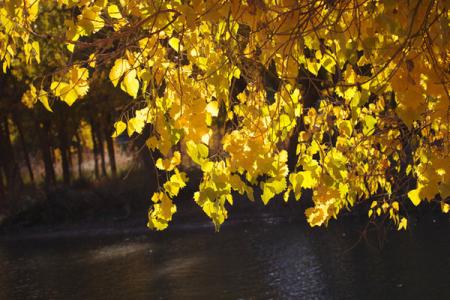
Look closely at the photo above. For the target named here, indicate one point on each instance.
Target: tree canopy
(347, 98)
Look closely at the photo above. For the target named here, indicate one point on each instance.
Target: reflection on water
(117, 251)
(286, 261)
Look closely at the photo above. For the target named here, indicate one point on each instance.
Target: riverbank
(82, 201)
(119, 206)
(122, 200)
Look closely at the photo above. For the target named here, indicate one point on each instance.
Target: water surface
(266, 260)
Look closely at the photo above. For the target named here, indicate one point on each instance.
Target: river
(268, 259)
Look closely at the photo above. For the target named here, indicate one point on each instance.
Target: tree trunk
(292, 147)
(69, 156)
(12, 172)
(95, 150)
(3, 187)
(63, 146)
(50, 177)
(111, 154)
(144, 153)
(110, 147)
(3, 202)
(101, 149)
(79, 156)
(25, 149)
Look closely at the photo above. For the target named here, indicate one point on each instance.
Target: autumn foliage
(347, 98)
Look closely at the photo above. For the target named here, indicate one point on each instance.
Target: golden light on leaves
(119, 127)
(169, 164)
(360, 92)
(74, 88)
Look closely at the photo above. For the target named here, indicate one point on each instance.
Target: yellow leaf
(167, 207)
(70, 47)
(135, 125)
(272, 187)
(369, 125)
(120, 67)
(213, 108)
(297, 189)
(403, 224)
(29, 97)
(130, 84)
(197, 152)
(313, 67)
(90, 20)
(176, 182)
(162, 211)
(43, 98)
(237, 73)
(68, 94)
(285, 121)
(345, 126)
(414, 196)
(395, 206)
(114, 12)
(306, 180)
(303, 179)
(336, 164)
(444, 189)
(37, 52)
(175, 44)
(154, 223)
(316, 216)
(119, 127)
(91, 60)
(328, 63)
(152, 143)
(76, 88)
(169, 164)
(145, 115)
(286, 194)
